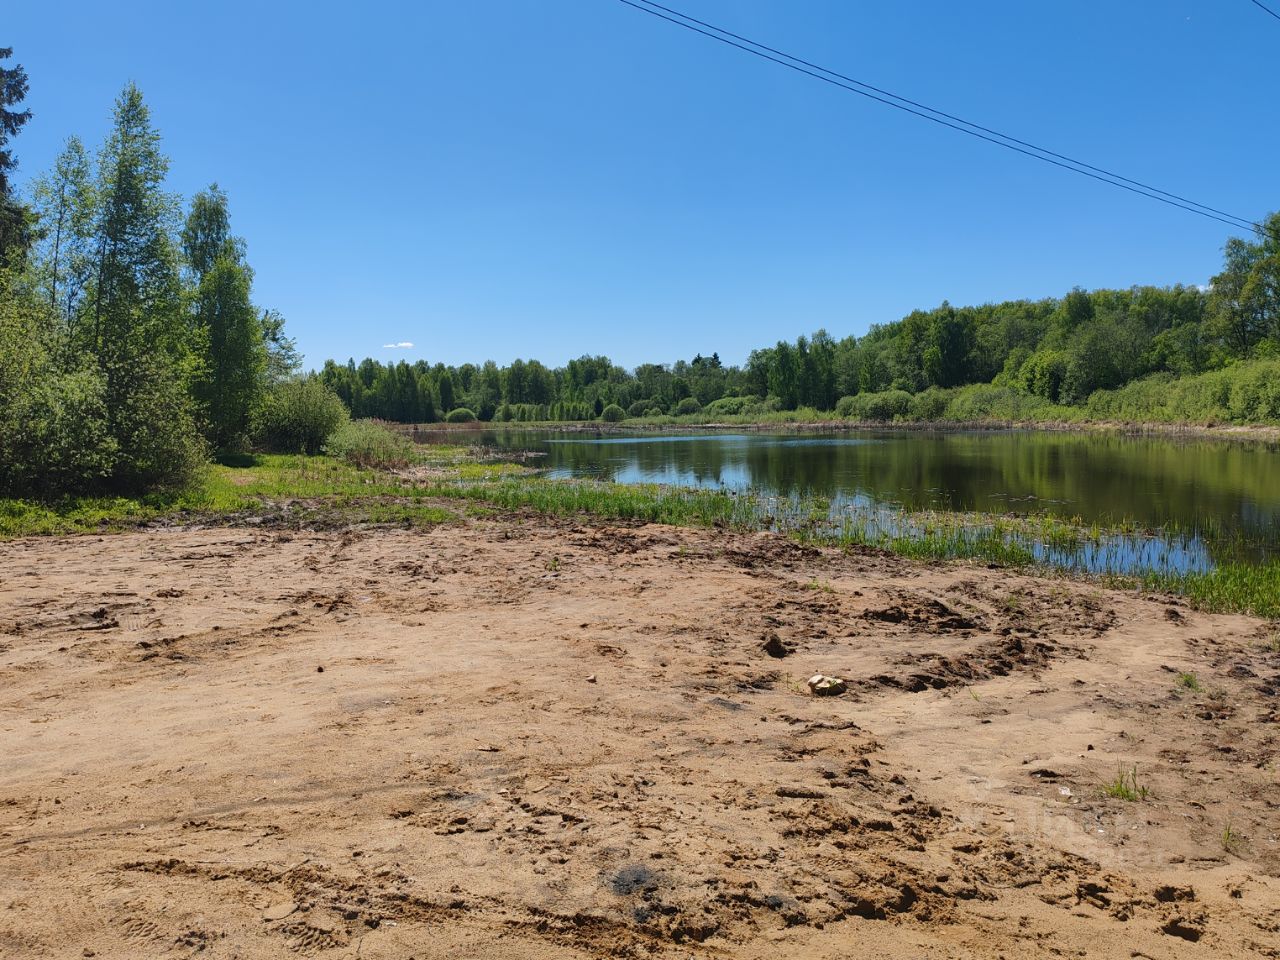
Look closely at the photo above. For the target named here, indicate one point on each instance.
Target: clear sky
(489, 179)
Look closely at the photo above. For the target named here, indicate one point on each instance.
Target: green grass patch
(1230, 588)
(221, 489)
(655, 504)
(1125, 786)
(404, 514)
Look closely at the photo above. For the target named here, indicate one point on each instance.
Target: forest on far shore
(1163, 353)
(1056, 354)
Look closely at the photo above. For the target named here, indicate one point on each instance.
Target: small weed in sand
(818, 585)
(1012, 603)
(553, 564)
(1126, 786)
(973, 693)
(1188, 681)
(1231, 838)
(1272, 643)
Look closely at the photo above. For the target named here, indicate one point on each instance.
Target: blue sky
(546, 178)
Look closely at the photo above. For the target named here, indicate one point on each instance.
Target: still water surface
(1201, 500)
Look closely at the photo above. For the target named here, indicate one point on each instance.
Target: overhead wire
(1260, 4)
(926, 112)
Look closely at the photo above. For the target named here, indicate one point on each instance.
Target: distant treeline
(1057, 351)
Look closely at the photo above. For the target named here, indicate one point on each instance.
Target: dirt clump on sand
(512, 737)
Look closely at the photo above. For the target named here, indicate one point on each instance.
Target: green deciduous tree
(54, 434)
(948, 354)
(283, 359)
(206, 234)
(232, 373)
(232, 380)
(1246, 294)
(67, 205)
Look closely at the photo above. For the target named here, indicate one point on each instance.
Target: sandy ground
(518, 739)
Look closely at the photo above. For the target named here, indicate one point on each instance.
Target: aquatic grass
(647, 502)
(488, 471)
(1115, 554)
(1233, 587)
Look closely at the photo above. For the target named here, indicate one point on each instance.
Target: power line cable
(933, 110)
(1260, 4)
(937, 116)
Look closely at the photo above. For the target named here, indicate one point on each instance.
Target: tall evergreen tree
(137, 293)
(135, 328)
(15, 221)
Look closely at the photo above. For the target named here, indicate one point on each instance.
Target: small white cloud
(402, 345)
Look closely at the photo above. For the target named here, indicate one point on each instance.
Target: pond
(1182, 504)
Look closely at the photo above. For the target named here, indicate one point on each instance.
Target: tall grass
(648, 502)
(1248, 588)
(370, 443)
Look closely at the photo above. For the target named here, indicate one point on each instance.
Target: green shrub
(929, 405)
(881, 407)
(731, 406)
(1241, 393)
(460, 415)
(984, 401)
(613, 414)
(54, 438)
(158, 444)
(642, 408)
(687, 406)
(92, 424)
(298, 416)
(370, 443)
(75, 430)
(1044, 374)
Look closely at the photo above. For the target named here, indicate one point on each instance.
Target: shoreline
(1235, 433)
